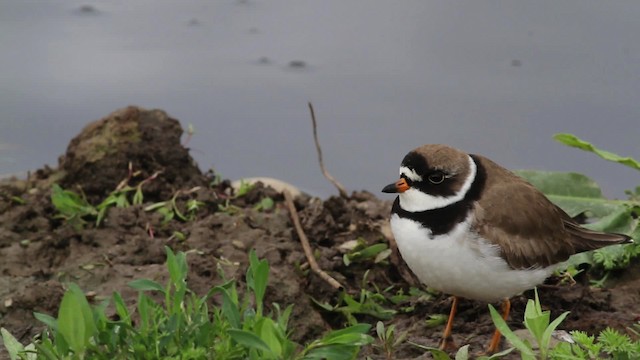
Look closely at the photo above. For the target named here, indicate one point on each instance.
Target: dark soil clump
(98, 159)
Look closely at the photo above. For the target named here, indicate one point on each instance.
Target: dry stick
(288, 199)
(341, 189)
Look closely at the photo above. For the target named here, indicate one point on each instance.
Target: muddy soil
(40, 253)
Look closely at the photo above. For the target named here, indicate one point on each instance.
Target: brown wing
(529, 229)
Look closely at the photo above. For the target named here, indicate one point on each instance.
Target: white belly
(461, 265)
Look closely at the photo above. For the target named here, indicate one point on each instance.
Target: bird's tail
(584, 239)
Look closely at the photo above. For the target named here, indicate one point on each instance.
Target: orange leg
(495, 341)
(447, 339)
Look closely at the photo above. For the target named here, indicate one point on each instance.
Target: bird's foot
(447, 344)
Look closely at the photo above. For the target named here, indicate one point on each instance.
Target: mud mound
(98, 158)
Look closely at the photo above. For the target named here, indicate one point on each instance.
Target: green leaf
(144, 309)
(13, 346)
(146, 285)
(69, 203)
(229, 308)
(574, 193)
(525, 350)
(436, 353)
(546, 337)
(121, 308)
(156, 206)
(568, 184)
(265, 204)
(536, 320)
(333, 352)
(75, 319)
(574, 141)
(267, 331)
(258, 277)
(353, 335)
(248, 339)
(620, 221)
(463, 353)
(177, 265)
(48, 320)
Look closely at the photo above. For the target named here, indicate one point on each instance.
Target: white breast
(461, 263)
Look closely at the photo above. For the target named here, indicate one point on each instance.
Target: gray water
(493, 78)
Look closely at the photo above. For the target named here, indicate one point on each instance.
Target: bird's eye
(436, 177)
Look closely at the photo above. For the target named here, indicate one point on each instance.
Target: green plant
(74, 208)
(244, 188)
(366, 303)
(435, 320)
(538, 323)
(389, 339)
(461, 354)
(359, 251)
(170, 209)
(71, 207)
(265, 204)
(609, 344)
(371, 303)
(183, 325)
(579, 195)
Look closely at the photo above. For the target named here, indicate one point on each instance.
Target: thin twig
(288, 199)
(341, 189)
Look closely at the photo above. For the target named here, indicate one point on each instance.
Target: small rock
(298, 64)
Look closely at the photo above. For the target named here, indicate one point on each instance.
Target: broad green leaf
(372, 250)
(353, 335)
(75, 319)
(620, 221)
(333, 352)
(574, 193)
(248, 339)
(463, 353)
(574, 141)
(266, 329)
(12, 344)
(146, 285)
(568, 184)
(537, 323)
(177, 266)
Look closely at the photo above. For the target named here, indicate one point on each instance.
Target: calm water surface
(385, 77)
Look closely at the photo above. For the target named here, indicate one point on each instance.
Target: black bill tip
(391, 188)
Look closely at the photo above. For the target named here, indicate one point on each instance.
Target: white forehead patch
(415, 200)
(410, 173)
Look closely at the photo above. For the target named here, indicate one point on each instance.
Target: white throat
(414, 200)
